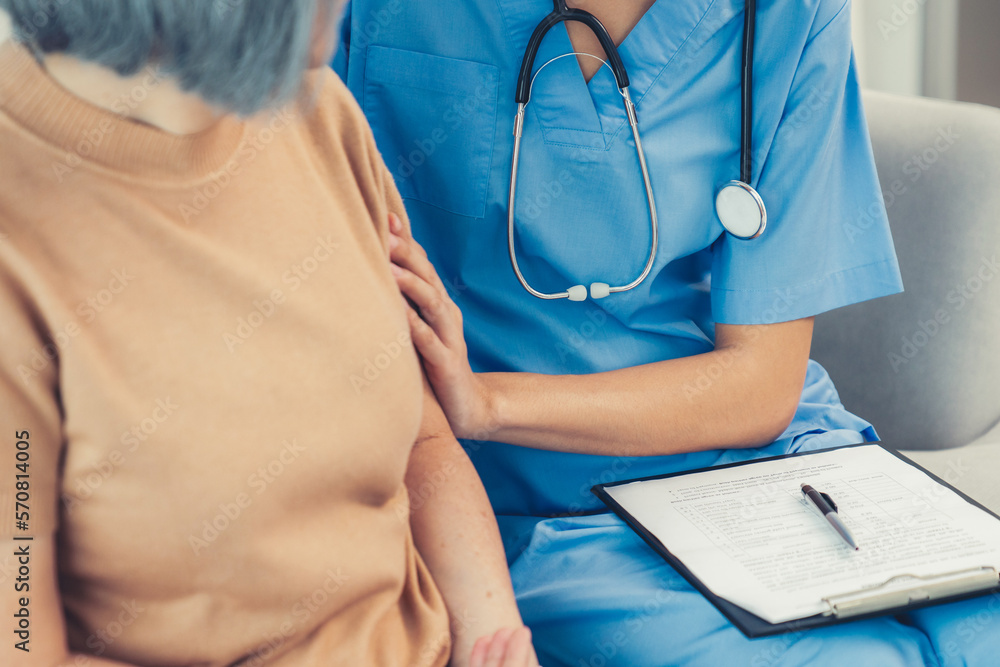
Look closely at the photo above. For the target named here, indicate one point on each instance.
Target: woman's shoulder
(328, 98)
(338, 129)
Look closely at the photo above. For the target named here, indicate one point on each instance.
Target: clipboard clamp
(905, 589)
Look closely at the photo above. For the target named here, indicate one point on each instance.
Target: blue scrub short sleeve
(827, 242)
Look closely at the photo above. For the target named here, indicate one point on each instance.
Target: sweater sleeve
(30, 417)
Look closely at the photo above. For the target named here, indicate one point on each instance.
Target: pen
(828, 509)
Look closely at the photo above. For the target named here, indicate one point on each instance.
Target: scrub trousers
(595, 595)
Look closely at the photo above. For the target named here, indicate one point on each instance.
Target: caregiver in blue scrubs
(705, 362)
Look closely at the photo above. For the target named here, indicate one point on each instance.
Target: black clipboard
(750, 624)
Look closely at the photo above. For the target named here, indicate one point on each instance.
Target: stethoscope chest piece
(741, 210)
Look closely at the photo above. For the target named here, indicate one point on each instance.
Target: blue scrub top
(436, 81)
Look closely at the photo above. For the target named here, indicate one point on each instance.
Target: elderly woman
(219, 449)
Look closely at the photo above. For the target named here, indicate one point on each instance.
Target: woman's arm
(456, 533)
(47, 629)
(743, 393)
(453, 527)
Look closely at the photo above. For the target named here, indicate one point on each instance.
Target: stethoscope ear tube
(739, 206)
(746, 94)
(560, 12)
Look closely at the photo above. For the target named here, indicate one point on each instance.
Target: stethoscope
(738, 205)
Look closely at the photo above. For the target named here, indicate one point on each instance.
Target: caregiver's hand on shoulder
(437, 335)
(509, 647)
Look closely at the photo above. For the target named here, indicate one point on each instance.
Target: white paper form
(749, 535)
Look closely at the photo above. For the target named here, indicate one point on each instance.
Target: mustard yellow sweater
(204, 348)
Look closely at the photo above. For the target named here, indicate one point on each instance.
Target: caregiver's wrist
(493, 399)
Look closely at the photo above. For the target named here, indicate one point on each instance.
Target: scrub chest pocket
(429, 114)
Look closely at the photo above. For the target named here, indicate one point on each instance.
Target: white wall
(889, 43)
(4, 26)
(941, 53)
(908, 46)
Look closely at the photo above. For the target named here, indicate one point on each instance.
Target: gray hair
(241, 55)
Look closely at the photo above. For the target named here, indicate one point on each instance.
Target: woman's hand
(437, 335)
(509, 647)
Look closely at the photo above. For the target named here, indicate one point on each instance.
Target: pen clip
(829, 501)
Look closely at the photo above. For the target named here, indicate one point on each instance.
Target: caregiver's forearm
(742, 394)
(456, 533)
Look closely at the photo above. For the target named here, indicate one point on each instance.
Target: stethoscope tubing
(633, 122)
(746, 92)
(559, 14)
(745, 194)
